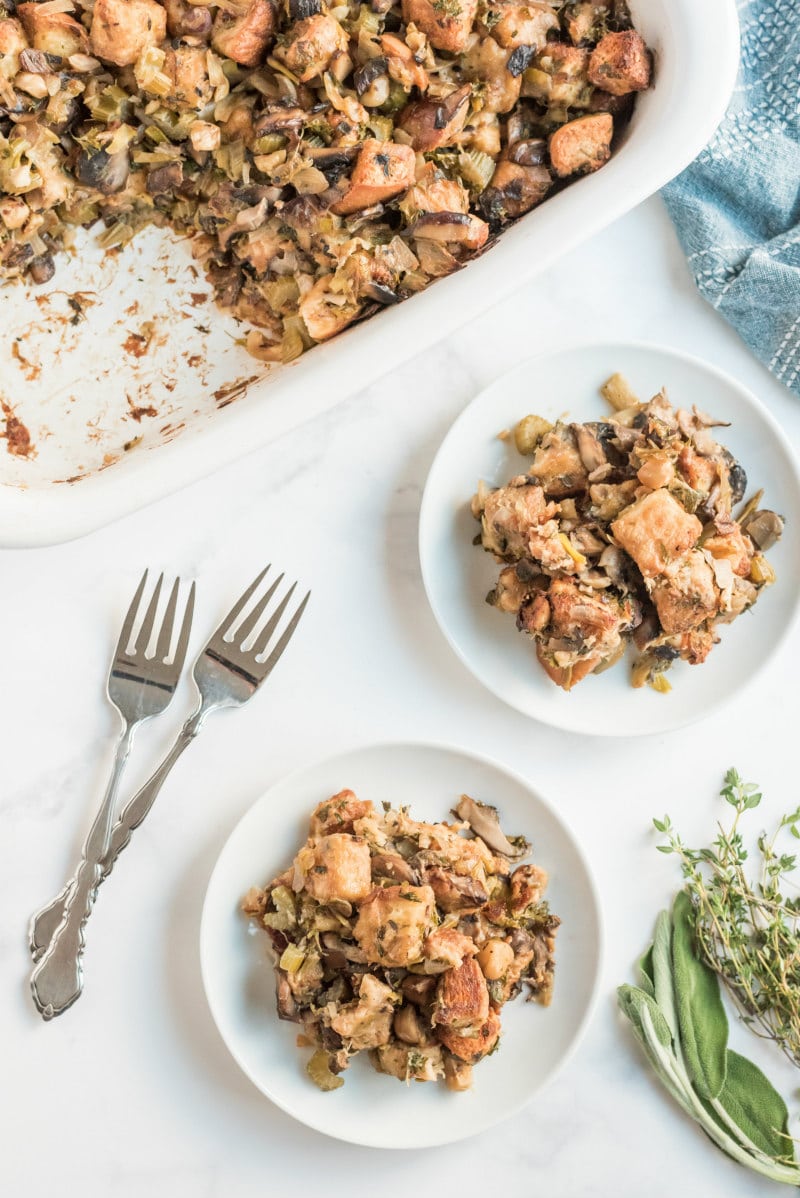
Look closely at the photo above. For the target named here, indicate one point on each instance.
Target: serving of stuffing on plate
(326, 160)
(405, 938)
(625, 531)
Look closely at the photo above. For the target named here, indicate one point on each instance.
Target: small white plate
(458, 575)
(371, 1108)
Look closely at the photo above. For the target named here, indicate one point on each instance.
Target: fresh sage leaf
(756, 1107)
(664, 988)
(632, 999)
(646, 976)
(702, 1022)
(748, 1119)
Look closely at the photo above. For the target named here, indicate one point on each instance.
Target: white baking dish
(129, 398)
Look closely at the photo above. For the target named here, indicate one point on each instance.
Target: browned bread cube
(244, 32)
(528, 884)
(311, 44)
(393, 923)
(339, 869)
(121, 29)
(53, 32)
(479, 1043)
(462, 999)
(620, 63)
(337, 813)
(384, 169)
(582, 145)
(688, 597)
(656, 532)
(515, 25)
(446, 23)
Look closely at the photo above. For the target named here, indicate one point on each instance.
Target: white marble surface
(132, 1091)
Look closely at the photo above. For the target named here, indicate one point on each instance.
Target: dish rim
(46, 514)
(483, 759)
(723, 697)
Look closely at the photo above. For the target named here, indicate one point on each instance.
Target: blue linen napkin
(737, 207)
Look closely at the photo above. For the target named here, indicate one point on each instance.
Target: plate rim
(563, 346)
(389, 744)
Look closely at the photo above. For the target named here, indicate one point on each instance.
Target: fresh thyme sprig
(748, 931)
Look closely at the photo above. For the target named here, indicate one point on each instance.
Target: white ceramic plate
(458, 575)
(371, 1108)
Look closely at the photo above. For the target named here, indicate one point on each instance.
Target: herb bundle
(748, 931)
(677, 1015)
(745, 932)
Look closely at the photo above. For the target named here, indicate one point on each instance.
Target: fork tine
(130, 619)
(250, 622)
(229, 621)
(272, 660)
(272, 623)
(165, 633)
(146, 630)
(183, 639)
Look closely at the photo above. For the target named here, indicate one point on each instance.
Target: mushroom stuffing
(405, 938)
(325, 161)
(625, 531)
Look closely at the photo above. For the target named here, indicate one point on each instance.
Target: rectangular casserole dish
(118, 378)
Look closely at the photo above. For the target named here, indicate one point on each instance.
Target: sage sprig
(677, 1016)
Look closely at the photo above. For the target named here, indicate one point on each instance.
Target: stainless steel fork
(139, 687)
(227, 673)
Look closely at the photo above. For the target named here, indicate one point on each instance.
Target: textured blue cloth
(737, 207)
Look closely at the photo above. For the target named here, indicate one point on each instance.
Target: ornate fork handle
(134, 812)
(57, 980)
(46, 922)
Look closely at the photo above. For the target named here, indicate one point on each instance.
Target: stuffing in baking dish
(405, 938)
(624, 531)
(326, 160)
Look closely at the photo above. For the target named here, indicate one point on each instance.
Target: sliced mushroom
(451, 227)
(418, 988)
(104, 172)
(519, 59)
(287, 1008)
(407, 1026)
(299, 10)
(381, 294)
(35, 61)
(457, 1074)
(737, 477)
(764, 528)
(592, 451)
(392, 865)
(435, 123)
(334, 945)
(435, 259)
(42, 269)
(586, 541)
(365, 75)
(188, 20)
(612, 560)
(280, 119)
(514, 190)
(454, 892)
(333, 161)
(485, 823)
(163, 180)
(531, 151)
